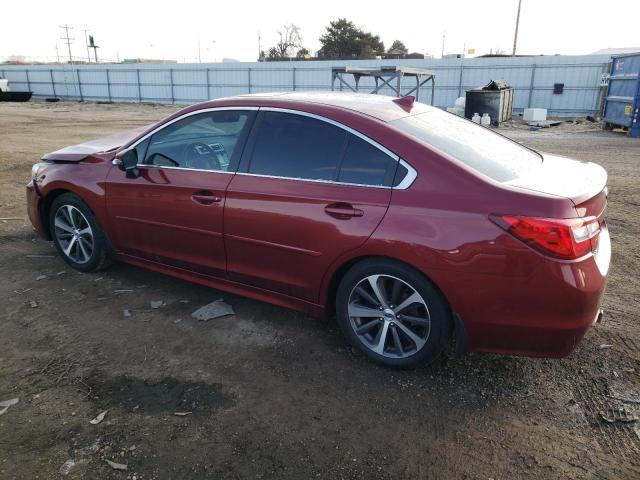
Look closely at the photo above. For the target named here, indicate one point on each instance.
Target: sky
(229, 29)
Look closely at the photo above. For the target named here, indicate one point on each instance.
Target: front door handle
(205, 197)
(343, 211)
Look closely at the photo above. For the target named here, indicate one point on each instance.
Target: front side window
(205, 141)
(296, 146)
(478, 147)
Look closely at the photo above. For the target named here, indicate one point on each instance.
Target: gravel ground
(275, 394)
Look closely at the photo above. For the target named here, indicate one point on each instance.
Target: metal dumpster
(495, 98)
(622, 103)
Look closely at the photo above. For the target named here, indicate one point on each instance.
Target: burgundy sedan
(410, 224)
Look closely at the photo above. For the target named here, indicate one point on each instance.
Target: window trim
(406, 182)
(408, 179)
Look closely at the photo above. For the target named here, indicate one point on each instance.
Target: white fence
(533, 79)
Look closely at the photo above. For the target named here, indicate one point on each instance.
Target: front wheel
(76, 234)
(392, 313)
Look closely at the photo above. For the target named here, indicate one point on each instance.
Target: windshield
(476, 146)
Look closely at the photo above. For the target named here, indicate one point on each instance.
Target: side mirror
(129, 163)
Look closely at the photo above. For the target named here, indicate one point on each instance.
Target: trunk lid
(582, 182)
(77, 153)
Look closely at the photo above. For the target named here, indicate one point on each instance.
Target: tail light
(566, 238)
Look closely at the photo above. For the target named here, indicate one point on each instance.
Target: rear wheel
(77, 235)
(392, 313)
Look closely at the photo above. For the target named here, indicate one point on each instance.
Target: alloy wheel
(73, 233)
(389, 316)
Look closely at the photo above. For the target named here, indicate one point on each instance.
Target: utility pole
(515, 37)
(92, 44)
(199, 56)
(444, 34)
(67, 40)
(86, 42)
(57, 54)
(259, 47)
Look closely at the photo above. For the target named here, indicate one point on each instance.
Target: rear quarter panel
(440, 225)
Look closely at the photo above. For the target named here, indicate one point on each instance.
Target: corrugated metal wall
(532, 77)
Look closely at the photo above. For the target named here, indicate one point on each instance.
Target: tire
(76, 234)
(420, 309)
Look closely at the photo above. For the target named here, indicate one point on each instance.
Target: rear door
(172, 212)
(308, 190)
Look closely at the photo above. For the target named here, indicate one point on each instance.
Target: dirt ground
(274, 394)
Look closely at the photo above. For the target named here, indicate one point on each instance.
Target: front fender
(86, 180)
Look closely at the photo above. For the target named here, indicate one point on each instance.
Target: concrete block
(534, 114)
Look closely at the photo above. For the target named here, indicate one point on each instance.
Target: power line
(67, 40)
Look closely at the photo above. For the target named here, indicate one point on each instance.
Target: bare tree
(290, 41)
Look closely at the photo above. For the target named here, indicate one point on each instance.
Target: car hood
(79, 152)
(563, 177)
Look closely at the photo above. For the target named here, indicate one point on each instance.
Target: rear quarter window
(477, 147)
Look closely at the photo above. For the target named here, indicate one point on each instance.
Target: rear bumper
(33, 210)
(545, 314)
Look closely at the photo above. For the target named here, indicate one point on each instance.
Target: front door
(172, 213)
(307, 191)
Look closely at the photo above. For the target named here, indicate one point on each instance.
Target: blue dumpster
(622, 102)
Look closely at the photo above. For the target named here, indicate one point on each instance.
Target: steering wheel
(200, 156)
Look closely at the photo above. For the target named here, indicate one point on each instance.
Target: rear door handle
(343, 211)
(205, 197)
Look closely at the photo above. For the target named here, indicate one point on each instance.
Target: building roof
(616, 51)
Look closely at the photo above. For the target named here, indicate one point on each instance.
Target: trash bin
(622, 104)
(494, 98)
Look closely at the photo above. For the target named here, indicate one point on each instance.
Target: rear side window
(297, 146)
(478, 147)
(366, 164)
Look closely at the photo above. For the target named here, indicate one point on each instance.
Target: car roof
(381, 107)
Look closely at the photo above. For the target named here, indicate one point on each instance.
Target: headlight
(36, 169)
